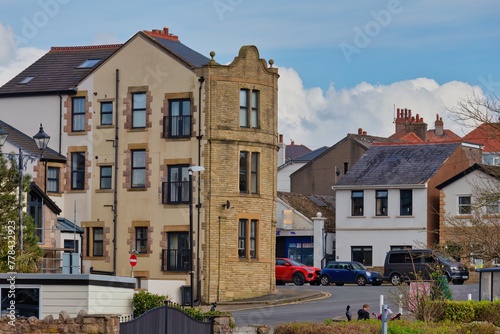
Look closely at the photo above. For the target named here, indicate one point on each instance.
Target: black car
(341, 272)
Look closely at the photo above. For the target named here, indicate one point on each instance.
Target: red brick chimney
(162, 34)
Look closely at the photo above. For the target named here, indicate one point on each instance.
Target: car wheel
(339, 284)
(325, 280)
(458, 281)
(396, 279)
(361, 280)
(298, 278)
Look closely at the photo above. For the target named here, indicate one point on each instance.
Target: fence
(168, 319)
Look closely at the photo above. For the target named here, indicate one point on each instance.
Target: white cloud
(14, 59)
(316, 118)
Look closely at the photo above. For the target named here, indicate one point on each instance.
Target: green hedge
(144, 301)
(394, 327)
(469, 311)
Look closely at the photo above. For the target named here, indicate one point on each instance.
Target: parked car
(341, 272)
(291, 271)
(407, 264)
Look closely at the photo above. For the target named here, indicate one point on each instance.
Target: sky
(343, 65)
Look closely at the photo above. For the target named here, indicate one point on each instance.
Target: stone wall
(82, 324)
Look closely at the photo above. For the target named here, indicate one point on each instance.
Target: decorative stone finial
(271, 63)
(212, 54)
(319, 215)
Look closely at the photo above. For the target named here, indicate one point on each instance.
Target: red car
(291, 271)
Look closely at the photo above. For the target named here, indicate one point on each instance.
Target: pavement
(279, 296)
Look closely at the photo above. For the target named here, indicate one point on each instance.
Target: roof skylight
(89, 63)
(27, 79)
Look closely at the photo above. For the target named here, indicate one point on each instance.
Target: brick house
(132, 119)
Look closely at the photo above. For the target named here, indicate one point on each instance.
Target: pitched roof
(293, 151)
(172, 44)
(493, 171)
(65, 225)
(28, 145)
(487, 134)
(58, 70)
(310, 205)
(46, 199)
(397, 164)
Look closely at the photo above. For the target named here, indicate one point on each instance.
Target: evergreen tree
(11, 257)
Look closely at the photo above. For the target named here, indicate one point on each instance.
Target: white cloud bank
(316, 118)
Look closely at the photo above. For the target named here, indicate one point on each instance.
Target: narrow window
(253, 238)
(78, 114)
(139, 169)
(242, 238)
(405, 200)
(97, 241)
(105, 177)
(244, 108)
(357, 203)
(244, 172)
(464, 205)
(141, 239)
(180, 118)
(106, 113)
(35, 209)
(78, 170)
(177, 187)
(254, 179)
(53, 179)
(139, 110)
(381, 202)
(255, 109)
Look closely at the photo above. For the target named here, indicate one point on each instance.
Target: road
(335, 305)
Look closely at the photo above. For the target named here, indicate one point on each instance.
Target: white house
(388, 199)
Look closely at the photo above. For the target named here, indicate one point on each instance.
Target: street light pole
(191, 238)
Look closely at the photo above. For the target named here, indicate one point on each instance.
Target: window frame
(365, 250)
(135, 169)
(78, 114)
(464, 209)
(406, 202)
(357, 202)
(141, 240)
(105, 177)
(248, 238)
(108, 113)
(381, 203)
(179, 188)
(78, 173)
(242, 238)
(181, 259)
(182, 130)
(97, 244)
(249, 163)
(53, 181)
(139, 111)
(249, 116)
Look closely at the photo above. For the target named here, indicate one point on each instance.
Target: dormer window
(27, 79)
(89, 63)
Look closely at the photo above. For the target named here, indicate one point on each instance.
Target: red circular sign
(133, 260)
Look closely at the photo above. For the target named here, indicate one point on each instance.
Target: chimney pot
(281, 138)
(364, 133)
(292, 143)
(360, 131)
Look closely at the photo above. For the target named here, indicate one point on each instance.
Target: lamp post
(41, 141)
(191, 239)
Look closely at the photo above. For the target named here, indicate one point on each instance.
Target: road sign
(133, 260)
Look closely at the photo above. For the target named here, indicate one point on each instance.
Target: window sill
(377, 217)
(356, 216)
(137, 130)
(107, 126)
(137, 189)
(54, 194)
(104, 191)
(76, 191)
(77, 133)
(405, 216)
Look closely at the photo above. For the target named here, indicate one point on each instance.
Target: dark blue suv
(340, 272)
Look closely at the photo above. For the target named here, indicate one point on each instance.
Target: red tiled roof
(486, 134)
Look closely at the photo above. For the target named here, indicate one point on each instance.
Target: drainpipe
(60, 123)
(198, 205)
(115, 186)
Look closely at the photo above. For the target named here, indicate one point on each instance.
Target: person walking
(364, 313)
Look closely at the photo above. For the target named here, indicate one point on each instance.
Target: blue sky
(343, 65)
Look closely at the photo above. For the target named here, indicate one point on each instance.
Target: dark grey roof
(398, 164)
(28, 145)
(57, 71)
(34, 188)
(311, 155)
(65, 225)
(186, 54)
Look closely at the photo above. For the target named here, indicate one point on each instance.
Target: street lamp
(41, 141)
(191, 239)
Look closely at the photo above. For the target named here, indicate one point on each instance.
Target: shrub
(144, 301)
